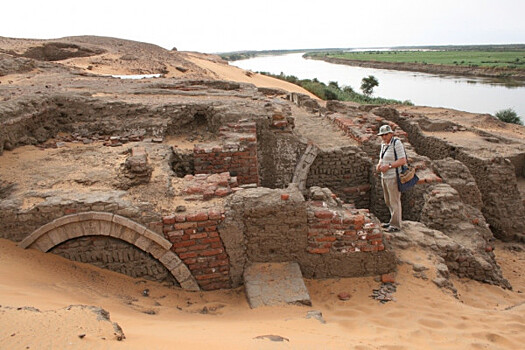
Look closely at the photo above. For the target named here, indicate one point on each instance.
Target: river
(470, 94)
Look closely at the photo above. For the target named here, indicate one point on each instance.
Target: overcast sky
(233, 25)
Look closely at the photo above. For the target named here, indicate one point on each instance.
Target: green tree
(509, 116)
(368, 84)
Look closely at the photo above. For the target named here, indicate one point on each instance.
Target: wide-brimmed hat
(385, 129)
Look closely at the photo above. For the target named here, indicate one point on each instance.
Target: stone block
(90, 228)
(158, 239)
(143, 243)
(129, 235)
(156, 250)
(43, 243)
(129, 224)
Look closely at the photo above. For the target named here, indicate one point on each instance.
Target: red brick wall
(344, 230)
(238, 154)
(197, 243)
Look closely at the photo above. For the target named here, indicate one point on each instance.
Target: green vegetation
(332, 91)
(509, 116)
(368, 84)
(511, 59)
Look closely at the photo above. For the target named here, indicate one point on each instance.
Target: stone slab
(269, 284)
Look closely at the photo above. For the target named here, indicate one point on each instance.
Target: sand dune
(421, 317)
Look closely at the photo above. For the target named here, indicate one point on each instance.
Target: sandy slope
(422, 317)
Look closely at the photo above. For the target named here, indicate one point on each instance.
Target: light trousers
(392, 200)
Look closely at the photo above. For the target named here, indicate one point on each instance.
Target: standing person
(387, 167)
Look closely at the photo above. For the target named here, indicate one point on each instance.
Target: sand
(421, 317)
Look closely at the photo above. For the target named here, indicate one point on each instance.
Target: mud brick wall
(238, 155)
(502, 205)
(17, 223)
(346, 172)
(348, 230)
(278, 154)
(115, 255)
(196, 241)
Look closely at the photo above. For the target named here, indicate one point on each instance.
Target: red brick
(180, 217)
(324, 214)
(285, 196)
(373, 236)
(168, 220)
(326, 239)
(183, 244)
(68, 211)
(189, 261)
(221, 192)
(388, 278)
(210, 228)
(185, 225)
(214, 214)
(199, 247)
(211, 252)
(213, 234)
(198, 235)
(216, 244)
(211, 240)
(197, 217)
(380, 247)
(219, 263)
(208, 276)
(376, 241)
(187, 255)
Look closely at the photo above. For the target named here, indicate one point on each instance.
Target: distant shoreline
(495, 73)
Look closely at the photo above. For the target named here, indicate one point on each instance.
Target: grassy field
(507, 59)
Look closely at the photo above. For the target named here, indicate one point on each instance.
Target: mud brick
(318, 250)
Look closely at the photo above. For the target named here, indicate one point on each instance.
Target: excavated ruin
(189, 181)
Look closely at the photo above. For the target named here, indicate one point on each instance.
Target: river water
(471, 94)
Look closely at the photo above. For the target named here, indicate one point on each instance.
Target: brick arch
(106, 224)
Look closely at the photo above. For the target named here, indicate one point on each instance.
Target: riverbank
(487, 72)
